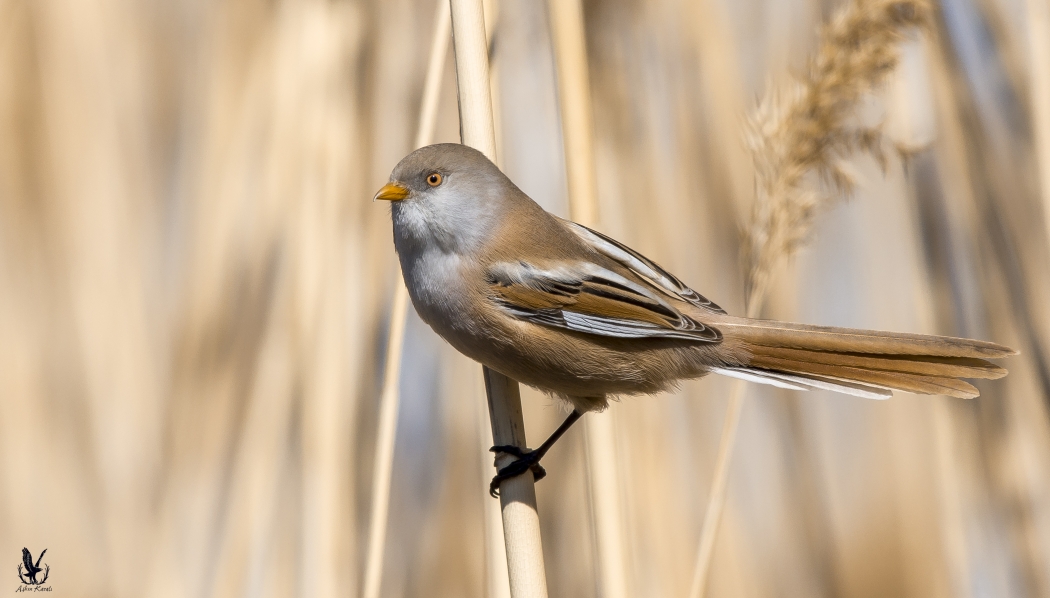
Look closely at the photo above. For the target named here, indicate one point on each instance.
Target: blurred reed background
(195, 290)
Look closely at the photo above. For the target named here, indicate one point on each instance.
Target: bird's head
(448, 197)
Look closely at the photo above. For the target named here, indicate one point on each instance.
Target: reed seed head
(801, 132)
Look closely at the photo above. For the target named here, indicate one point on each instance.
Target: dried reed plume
(800, 134)
(798, 138)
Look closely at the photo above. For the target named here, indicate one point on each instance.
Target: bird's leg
(529, 460)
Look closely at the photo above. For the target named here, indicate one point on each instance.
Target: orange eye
(434, 179)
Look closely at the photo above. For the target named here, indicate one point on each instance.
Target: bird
(584, 318)
(31, 569)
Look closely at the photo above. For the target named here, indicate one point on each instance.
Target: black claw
(526, 461)
(538, 472)
(510, 449)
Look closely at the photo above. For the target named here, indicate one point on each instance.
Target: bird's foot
(526, 461)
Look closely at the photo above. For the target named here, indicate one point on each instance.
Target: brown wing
(590, 299)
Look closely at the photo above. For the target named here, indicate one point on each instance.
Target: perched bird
(574, 313)
(31, 568)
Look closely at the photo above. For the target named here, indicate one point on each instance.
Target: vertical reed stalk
(717, 497)
(574, 96)
(949, 489)
(605, 494)
(799, 137)
(521, 522)
(1039, 71)
(950, 477)
(497, 582)
(491, 8)
(390, 399)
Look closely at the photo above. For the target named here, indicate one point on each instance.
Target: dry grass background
(194, 291)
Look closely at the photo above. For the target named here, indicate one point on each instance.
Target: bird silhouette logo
(28, 570)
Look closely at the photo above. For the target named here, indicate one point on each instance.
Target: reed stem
(1039, 69)
(717, 500)
(717, 497)
(574, 98)
(390, 399)
(521, 522)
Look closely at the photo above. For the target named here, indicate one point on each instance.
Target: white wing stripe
(618, 327)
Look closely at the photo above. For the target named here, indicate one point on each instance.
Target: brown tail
(861, 362)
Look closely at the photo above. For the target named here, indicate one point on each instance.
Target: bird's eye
(434, 179)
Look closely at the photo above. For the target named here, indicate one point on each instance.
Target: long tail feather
(954, 367)
(861, 362)
(916, 383)
(803, 382)
(772, 333)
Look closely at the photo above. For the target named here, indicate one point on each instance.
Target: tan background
(194, 290)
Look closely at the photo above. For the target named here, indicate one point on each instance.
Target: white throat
(442, 224)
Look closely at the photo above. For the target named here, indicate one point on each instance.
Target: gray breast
(435, 285)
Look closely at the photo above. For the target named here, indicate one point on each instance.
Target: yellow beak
(392, 192)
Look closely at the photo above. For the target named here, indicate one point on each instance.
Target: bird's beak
(392, 192)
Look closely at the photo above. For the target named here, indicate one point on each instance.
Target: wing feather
(590, 299)
(642, 266)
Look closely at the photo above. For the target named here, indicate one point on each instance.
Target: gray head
(448, 197)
